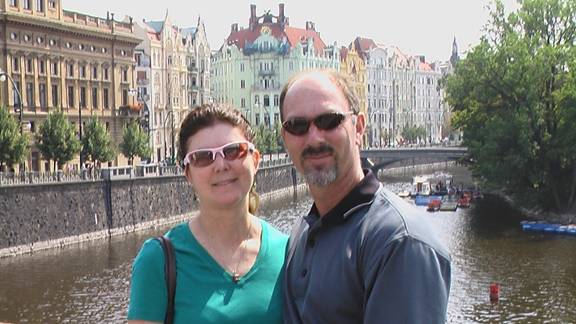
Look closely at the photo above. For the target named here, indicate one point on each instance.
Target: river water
(89, 283)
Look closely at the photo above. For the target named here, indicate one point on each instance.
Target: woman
(228, 262)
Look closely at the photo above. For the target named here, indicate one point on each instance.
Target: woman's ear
(188, 173)
(256, 156)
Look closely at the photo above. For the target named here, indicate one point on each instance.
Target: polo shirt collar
(362, 194)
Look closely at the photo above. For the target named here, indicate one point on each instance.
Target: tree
(57, 139)
(134, 142)
(514, 97)
(13, 146)
(97, 145)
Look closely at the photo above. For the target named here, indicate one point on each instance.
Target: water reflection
(536, 272)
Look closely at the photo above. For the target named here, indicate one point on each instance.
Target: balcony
(266, 72)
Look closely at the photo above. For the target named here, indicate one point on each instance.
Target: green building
(253, 64)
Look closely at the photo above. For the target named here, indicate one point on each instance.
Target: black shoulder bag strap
(170, 272)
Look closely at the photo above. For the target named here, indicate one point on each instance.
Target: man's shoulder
(391, 219)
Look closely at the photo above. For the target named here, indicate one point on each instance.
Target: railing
(111, 173)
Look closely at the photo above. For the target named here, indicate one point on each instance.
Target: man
(361, 255)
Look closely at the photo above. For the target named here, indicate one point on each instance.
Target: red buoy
(494, 291)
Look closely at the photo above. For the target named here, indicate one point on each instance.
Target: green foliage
(97, 145)
(412, 133)
(135, 142)
(57, 139)
(268, 140)
(13, 146)
(514, 97)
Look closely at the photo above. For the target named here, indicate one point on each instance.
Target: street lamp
(3, 77)
(170, 113)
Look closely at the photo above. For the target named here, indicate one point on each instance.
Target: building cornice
(67, 28)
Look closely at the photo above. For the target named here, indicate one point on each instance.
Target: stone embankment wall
(36, 217)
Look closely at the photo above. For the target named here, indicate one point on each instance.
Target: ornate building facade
(65, 60)
(251, 67)
(402, 91)
(173, 76)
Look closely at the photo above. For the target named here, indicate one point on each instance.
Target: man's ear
(360, 128)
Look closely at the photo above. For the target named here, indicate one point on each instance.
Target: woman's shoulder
(273, 233)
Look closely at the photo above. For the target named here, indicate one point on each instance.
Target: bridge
(381, 158)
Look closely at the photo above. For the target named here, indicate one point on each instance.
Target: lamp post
(3, 77)
(170, 113)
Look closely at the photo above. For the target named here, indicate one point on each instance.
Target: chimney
(234, 27)
(310, 26)
(281, 13)
(253, 19)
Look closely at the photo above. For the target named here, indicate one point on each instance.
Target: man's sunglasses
(299, 126)
(230, 152)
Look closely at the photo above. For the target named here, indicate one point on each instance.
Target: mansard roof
(189, 31)
(363, 46)
(293, 35)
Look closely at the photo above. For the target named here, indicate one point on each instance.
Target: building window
(256, 99)
(83, 72)
(28, 4)
(82, 97)
(276, 118)
(276, 100)
(70, 96)
(105, 73)
(95, 73)
(125, 75)
(55, 96)
(14, 3)
(266, 101)
(95, 98)
(70, 70)
(105, 97)
(267, 119)
(54, 68)
(52, 4)
(242, 84)
(42, 67)
(241, 67)
(124, 97)
(29, 66)
(40, 5)
(16, 64)
(30, 93)
(242, 103)
(42, 94)
(16, 98)
(257, 119)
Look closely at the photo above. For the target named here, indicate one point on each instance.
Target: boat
(425, 200)
(463, 202)
(431, 184)
(404, 194)
(434, 205)
(448, 204)
(539, 226)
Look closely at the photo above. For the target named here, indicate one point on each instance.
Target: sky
(417, 27)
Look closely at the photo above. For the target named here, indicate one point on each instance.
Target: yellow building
(352, 65)
(63, 59)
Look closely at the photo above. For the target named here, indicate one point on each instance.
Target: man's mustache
(311, 151)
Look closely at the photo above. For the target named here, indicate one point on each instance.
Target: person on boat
(362, 254)
(228, 261)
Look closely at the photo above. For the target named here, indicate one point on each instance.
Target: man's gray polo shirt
(372, 259)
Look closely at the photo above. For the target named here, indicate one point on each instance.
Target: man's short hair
(343, 82)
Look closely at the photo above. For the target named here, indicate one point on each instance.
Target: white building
(403, 91)
(173, 76)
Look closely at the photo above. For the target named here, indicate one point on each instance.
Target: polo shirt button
(304, 272)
